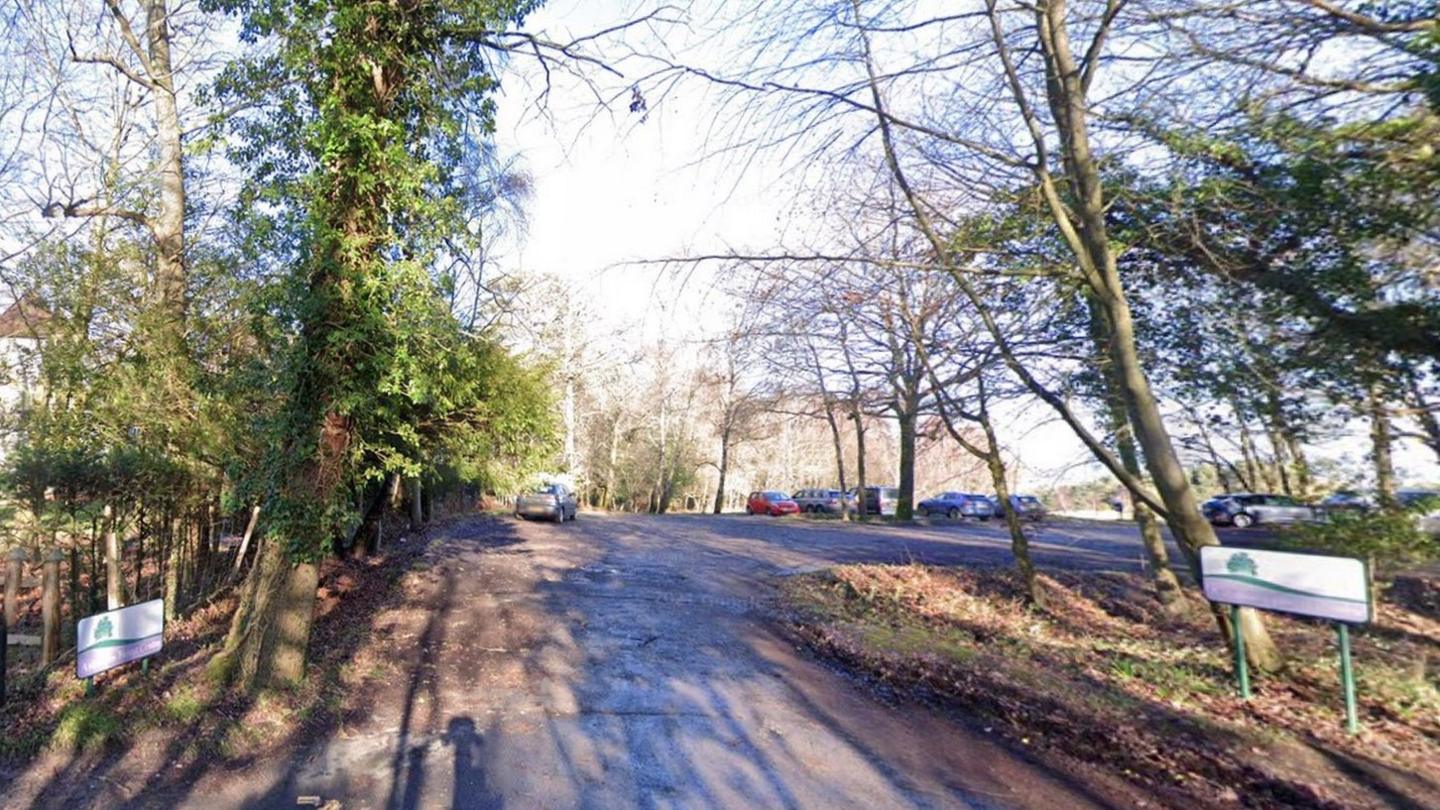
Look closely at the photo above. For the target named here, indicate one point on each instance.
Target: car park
(957, 505)
(822, 501)
(1245, 509)
(770, 502)
(552, 500)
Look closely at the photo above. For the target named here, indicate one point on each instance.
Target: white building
(23, 327)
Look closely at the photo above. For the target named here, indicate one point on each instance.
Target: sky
(616, 191)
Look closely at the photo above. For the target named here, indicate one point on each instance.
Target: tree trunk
(1068, 104)
(137, 592)
(861, 506)
(905, 504)
(610, 468)
(168, 224)
(1300, 467)
(73, 574)
(1425, 412)
(1247, 454)
(1019, 543)
(271, 629)
(172, 570)
(724, 468)
(839, 446)
(1167, 585)
(1381, 438)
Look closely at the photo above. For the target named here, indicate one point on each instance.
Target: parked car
(1245, 509)
(1411, 498)
(770, 502)
(830, 501)
(957, 504)
(1425, 504)
(879, 500)
(553, 500)
(1027, 507)
(1348, 499)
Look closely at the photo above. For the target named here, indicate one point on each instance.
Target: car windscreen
(776, 496)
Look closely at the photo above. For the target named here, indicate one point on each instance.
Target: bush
(1388, 539)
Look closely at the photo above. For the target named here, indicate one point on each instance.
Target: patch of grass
(1172, 680)
(84, 726)
(23, 745)
(183, 706)
(1410, 694)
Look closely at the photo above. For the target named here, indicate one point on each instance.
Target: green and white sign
(1334, 588)
(107, 640)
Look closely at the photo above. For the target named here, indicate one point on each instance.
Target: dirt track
(637, 661)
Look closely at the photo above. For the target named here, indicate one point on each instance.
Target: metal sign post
(1242, 667)
(1323, 587)
(1347, 678)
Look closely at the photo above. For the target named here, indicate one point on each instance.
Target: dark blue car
(956, 505)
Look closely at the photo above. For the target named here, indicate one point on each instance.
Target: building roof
(25, 319)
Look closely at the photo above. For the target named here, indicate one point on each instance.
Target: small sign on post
(1316, 585)
(107, 640)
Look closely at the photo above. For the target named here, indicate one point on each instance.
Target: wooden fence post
(14, 567)
(50, 608)
(114, 578)
(417, 517)
(12, 610)
(4, 655)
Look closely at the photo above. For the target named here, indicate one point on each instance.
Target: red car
(770, 503)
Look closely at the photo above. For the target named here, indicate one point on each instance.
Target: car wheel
(749, 511)
(952, 513)
(1243, 521)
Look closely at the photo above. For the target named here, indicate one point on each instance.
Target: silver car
(822, 500)
(554, 501)
(1245, 509)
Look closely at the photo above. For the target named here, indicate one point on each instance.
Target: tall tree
(381, 100)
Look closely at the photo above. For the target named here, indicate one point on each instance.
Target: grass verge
(1102, 682)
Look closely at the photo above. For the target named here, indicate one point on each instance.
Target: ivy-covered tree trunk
(387, 99)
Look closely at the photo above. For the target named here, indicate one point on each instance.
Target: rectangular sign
(107, 640)
(1335, 588)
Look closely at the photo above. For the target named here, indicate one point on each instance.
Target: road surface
(625, 661)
